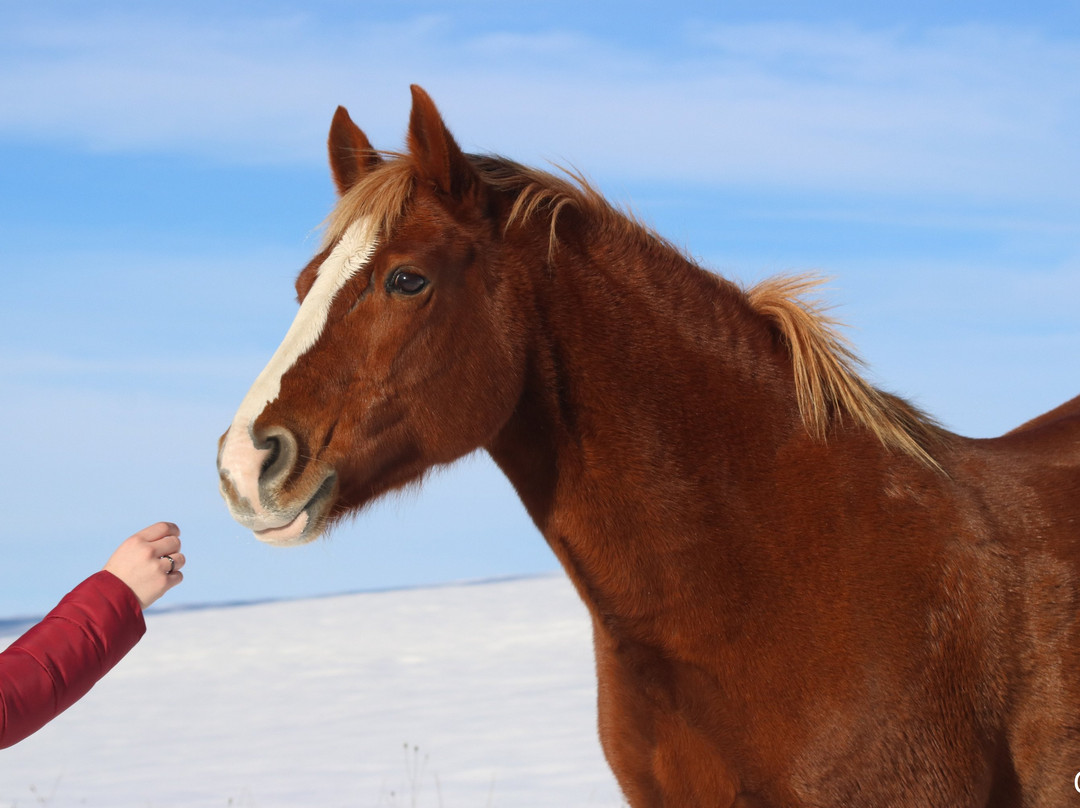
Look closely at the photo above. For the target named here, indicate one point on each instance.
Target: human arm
(58, 660)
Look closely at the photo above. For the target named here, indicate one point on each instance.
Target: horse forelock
(827, 384)
(380, 195)
(536, 196)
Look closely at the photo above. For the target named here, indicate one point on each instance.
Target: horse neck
(652, 393)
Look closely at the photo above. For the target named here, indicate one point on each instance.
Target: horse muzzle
(256, 472)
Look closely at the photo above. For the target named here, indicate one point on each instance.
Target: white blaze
(240, 460)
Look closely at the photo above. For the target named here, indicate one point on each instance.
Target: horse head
(403, 353)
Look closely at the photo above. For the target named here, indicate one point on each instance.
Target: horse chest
(697, 735)
(671, 732)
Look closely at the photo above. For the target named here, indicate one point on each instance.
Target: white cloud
(971, 111)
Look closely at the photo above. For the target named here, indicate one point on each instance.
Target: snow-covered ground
(455, 697)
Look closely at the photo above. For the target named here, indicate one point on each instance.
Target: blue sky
(162, 179)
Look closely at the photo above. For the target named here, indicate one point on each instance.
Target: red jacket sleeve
(56, 662)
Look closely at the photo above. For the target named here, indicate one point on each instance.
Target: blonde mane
(827, 386)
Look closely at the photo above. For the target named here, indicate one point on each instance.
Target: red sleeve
(56, 662)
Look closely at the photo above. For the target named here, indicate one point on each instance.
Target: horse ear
(438, 157)
(351, 153)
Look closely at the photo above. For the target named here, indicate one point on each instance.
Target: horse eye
(406, 282)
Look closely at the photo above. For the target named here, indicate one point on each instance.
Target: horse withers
(803, 591)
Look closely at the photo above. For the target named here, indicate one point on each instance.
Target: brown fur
(803, 591)
(827, 386)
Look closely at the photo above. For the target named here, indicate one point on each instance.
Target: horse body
(784, 620)
(803, 592)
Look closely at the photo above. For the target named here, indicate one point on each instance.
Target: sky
(163, 177)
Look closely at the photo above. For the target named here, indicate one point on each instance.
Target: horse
(803, 590)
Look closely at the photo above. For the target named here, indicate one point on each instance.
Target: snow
(474, 696)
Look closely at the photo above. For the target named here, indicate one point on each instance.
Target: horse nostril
(282, 454)
(274, 445)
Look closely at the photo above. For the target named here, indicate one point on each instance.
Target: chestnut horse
(803, 591)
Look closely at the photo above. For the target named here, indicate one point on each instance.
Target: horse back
(1049, 442)
(1033, 472)
(1026, 486)
(1069, 412)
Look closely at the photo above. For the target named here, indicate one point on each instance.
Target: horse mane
(828, 387)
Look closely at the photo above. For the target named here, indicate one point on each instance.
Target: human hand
(142, 562)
